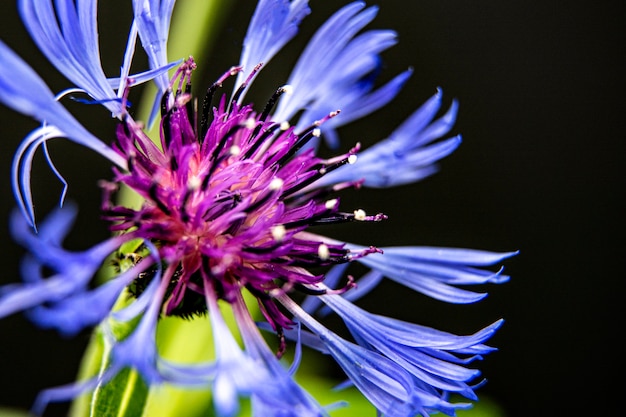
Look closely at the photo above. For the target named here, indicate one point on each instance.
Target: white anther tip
(330, 204)
(235, 150)
(359, 214)
(276, 184)
(278, 232)
(194, 183)
(323, 252)
(250, 123)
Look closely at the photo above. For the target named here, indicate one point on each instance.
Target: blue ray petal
(405, 156)
(274, 23)
(153, 22)
(341, 78)
(67, 34)
(435, 271)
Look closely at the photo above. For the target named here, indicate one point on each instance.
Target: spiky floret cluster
(226, 200)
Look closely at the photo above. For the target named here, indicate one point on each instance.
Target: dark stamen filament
(153, 192)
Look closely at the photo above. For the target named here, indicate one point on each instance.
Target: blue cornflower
(231, 198)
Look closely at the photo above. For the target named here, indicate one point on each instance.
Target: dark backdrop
(541, 170)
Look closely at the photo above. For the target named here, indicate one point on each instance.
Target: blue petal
(30, 95)
(235, 373)
(70, 305)
(365, 284)
(68, 35)
(460, 256)
(433, 271)
(145, 76)
(152, 18)
(79, 310)
(62, 393)
(274, 23)
(138, 350)
(153, 23)
(331, 279)
(282, 396)
(343, 76)
(312, 66)
(405, 333)
(421, 351)
(356, 103)
(22, 90)
(404, 156)
(384, 383)
(305, 337)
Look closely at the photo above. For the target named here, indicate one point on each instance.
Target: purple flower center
(228, 201)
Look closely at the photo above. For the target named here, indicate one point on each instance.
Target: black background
(541, 169)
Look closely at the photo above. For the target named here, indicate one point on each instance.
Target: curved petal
(274, 23)
(311, 69)
(282, 391)
(426, 354)
(343, 76)
(405, 156)
(385, 384)
(67, 33)
(435, 271)
(28, 94)
(22, 160)
(71, 272)
(153, 24)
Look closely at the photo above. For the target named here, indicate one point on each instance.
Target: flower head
(231, 199)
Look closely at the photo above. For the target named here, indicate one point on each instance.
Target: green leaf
(90, 367)
(124, 396)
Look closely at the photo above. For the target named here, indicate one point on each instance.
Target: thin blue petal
(435, 271)
(235, 373)
(145, 76)
(274, 23)
(421, 351)
(460, 256)
(138, 350)
(30, 95)
(80, 310)
(305, 337)
(67, 34)
(385, 384)
(62, 393)
(331, 279)
(24, 91)
(405, 156)
(312, 66)
(285, 397)
(70, 305)
(153, 23)
(341, 78)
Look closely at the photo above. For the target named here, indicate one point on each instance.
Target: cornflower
(231, 197)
